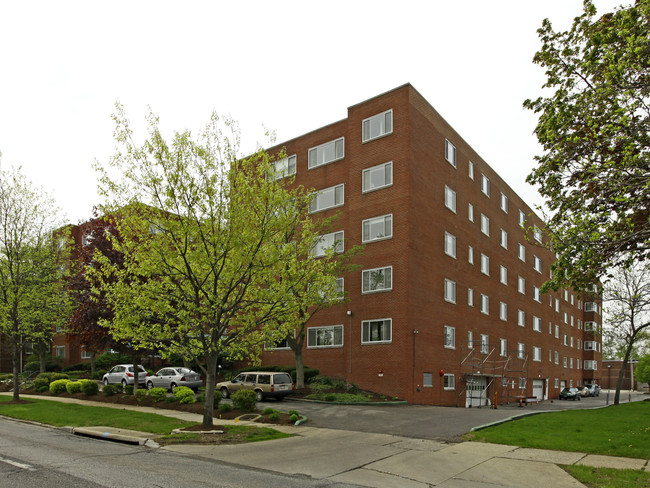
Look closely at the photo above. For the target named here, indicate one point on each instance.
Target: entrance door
(538, 389)
(475, 391)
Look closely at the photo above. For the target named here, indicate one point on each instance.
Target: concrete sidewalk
(382, 460)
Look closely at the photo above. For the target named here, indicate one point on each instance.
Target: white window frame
(503, 347)
(471, 170)
(589, 345)
(485, 343)
(590, 365)
(338, 244)
(521, 350)
(470, 297)
(282, 168)
(450, 199)
(427, 380)
(503, 311)
(537, 264)
(504, 202)
(470, 212)
(485, 304)
(485, 185)
(537, 294)
(384, 129)
(521, 318)
(450, 153)
(485, 224)
(450, 291)
(521, 285)
(485, 264)
(470, 254)
(312, 332)
(504, 239)
(537, 324)
(315, 206)
(449, 337)
(366, 329)
(367, 225)
(450, 245)
(449, 381)
(557, 331)
(317, 151)
(385, 168)
(522, 252)
(537, 234)
(522, 218)
(470, 339)
(386, 273)
(85, 354)
(59, 351)
(503, 275)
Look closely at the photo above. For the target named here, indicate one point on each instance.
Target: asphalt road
(34, 456)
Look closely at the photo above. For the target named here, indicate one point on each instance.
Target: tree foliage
(642, 370)
(32, 301)
(204, 242)
(594, 128)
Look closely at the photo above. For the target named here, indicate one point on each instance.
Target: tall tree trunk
(211, 360)
(93, 363)
(42, 360)
(296, 346)
(16, 369)
(136, 374)
(621, 374)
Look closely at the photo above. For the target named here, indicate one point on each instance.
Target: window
(537, 234)
(503, 275)
(564, 362)
(503, 311)
(470, 339)
(522, 383)
(537, 264)
(522, 218)
(327, 198)
(590, 365)
(378, 177)
(590, 327)
(557, 383)
(326, 153)
(59, 351)
(503, 347)
(327, 336)
(590, 346)
(521, 318)
(450, 153)
(450, 291)
(450, 199)
(377, 126)
(450, 245)
(521, 285)
(485, 304)
(565, 340)
(485, 225)
(470, 297)
(485, 343)
(571, 341)
(282, 168)
(450, 382)
(450, 337)
(373, 331)
(85, 354)
(471, 170)
(522, 253)
(591, 307)
(571, 364)
(470, 212)
(537, 296)
(557, 331)
(283, 344)
(537, 324)
(470, 255)
(521, 351)
(378, 228)
(504, 239)
(557, 305)
(485, 185)
(485, 265)
(332, 241)
(504, 203)
(550, 328)
(378, 279)
(427, 380)
(557, 357)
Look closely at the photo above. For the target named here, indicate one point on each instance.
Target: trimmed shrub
(99, 373)
(41, 382)
(140, 394)
(42, 388)
(110, 390)
(73, 387)
(320, 380)
(225, 407)
(294, 417)
(171, 399)
(77, 367)
(58, 386)
(128, 389)
(184, 394)
(58, 376)
(89, 387)
(268, 411)
(294, 412)
(157, 394)
(244, 400)
(274, 416)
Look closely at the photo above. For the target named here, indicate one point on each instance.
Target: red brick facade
(413, 365)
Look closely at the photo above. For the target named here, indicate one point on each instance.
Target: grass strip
(609, 478)
(620, 430)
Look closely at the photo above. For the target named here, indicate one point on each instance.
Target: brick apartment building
(446, 309)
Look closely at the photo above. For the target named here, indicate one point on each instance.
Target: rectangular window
(450, 153)
(450, 199)
(470, 255)
(504, 203)
(522, 218)
(564, 362)
(503, 275)
(590, 327)
(470, 339)
(485, 304)
(332, 241)
(504, 239)
(326, 153)
(571, 364)
(537, 324)
(503, 311)
(557, 305)
(327, 336)
(470, 297)
(565, 340)
(377, 228)
(503, 347)
(485, 225)
(377, 126)
(590, 365)
(373, 331)
(537, 295)
(378, 279)
(85, 354)
(485, 265)
(590, 345)
(327, 198)
(450, 382)
(485, 343)
(521, 318)
(59, 351)
(557, 331)
(521, 285)
(450, 245)
(537, 264)
(378, 177)
(521, 351)
(591, 307)
(522, 253)
(471, 170)
(485, 185)
(537, 234)
(557, 357)
(450, 291)
(282, 168)
(470, 212)
(427, 380)
(450, 337)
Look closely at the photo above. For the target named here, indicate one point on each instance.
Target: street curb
(372, 404)
(109, 436)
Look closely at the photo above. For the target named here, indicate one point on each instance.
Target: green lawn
(609, 478)
(622, 430)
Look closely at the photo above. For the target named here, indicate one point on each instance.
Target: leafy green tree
(642, 371)
(594, 173)
(32, 301)
(203, 239)
(627, 294)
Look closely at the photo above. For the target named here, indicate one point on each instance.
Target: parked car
(594, 389)
(584, 392)
(171, 377)
(123, 373)
(264, 383)
(570, 394)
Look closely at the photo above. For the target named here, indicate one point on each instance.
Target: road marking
(17, 464)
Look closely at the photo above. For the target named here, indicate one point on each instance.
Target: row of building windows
(372, 332)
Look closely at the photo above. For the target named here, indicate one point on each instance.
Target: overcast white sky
(289, 66)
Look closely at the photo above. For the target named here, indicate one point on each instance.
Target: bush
(99, 373)
(42, 388)
(330, 397)
(140, 394)
(225, 407)
(89, 387)
(110, 390)
(171, 399)
(77, 367)
(320, 380)
(58, 386)
(157, 394)
(274, 416)
(128, 389)
(184, 394)
(268, 411)
(73, 387)
(294, 417)
(58, 376)
(41, 382)
(294, 412)
(244, 400)
(110, 359)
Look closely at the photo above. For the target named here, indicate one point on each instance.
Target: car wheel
(259, 395)
(105, 381)
(172, 387)
(149, 385)
(224, 392)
